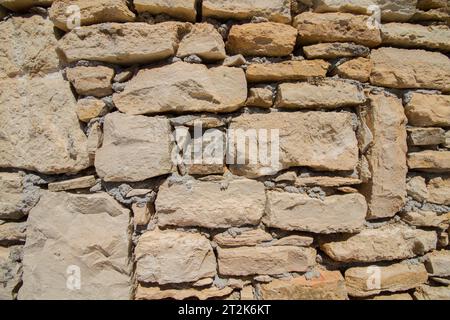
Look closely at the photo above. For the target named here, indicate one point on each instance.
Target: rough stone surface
(29, 110)
(262, 39)
(340, 213)
(260, 97)
(325, 181)
(335, 50)
(67, 232)
(73, 184)
(201, 204)
(245, 238)
(391, 242)
(12, 233)
(11, 196)
(330, 285)
(327, 94)
(429, 161)
(183, 87)
(121, 43)
(408, 69)
(274, 10)
(156, 293)
(417, 189)
(91, 12)
(426, 292)
(357, 69)
(246, 261)
(426, 136)
(438, 263)
(386, 190)
(204, 41)
(393, 278)
(174, 257)
(428, 110)
(439, 189)
(336, 27)
(182, 9)
(287, 71)
(135, 148)
(10, 272)
(91, 81)
(22, 5)
(90, 108)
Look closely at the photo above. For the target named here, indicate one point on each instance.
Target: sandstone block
(211, 204)
(328, 94)
(336, 27)
(438, 263)
(357, 69)
(181, 9)
(204, 41)
(335, 50)
(10, 271)
(426, 136)
(429, 161)
(260, 97)
(417, 189)
(165, 257)
(22, 5)
(156, 293)
(91, 12)
(287, 71)
(142, 214)
(330, 285)
(262, 39)
(246, 238)
(184, 87)
(69, 233)
(135, 148)
(298, 212)
(274, 10)
(90, 108)
(121, 43)
(428, 110)
(91, 81)
(427, 219)
(393, 297)
(439, 189)
(73, 184)
(245, 261)
(393, 278)
(12, 233)
(390, 242)
(39, 126)
(323, 141)
(11, 196)
(426, 292)
(386, 190)
(325, 181)
(407, 69)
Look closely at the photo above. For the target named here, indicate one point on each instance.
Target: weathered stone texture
(70, 233)
(426, 292)
(182, 9)
(91, 81)
(428, 110)
(335, 50)
(204, 41)
(439, 189)
(429, 161)
(183, 87)
(156, 293)
(426, 136)
(211, 204)
(22, 5)
(357, 69)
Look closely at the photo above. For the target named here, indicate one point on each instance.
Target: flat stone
(297, 241)
(39, 126)
(327, 182)
(319, 140)
(408, 69)
(245, 261)
(428, 110)
(426, 219)
(298, 212)
(96, 12)
(22, 5)
(335, 50)
(234, 61)
(245, 239)
(262, 39)
(90, 108)
(287, 71)
(336, 27)
(330, 285)
(181, 9)
(417, 189)
(362, 282)
(329, 94)
(12, 233)
(440, 14)
(122, 43)
(431, 4)
(438, 263)
(203, 41)
(356, 69)
(183, 87)
(156, 293)
(67, 235)
(73, 184)
(426, 292)
(135, 148)
(390, 242)
(408, 35)
(386, 189)
(426, 136)
(211, 204)
(28, 46)
(429, 161)
(11, 196)
(165, 257)
(260, 98)
(393, 297)
(273, 10)
(91, 81)
(95, 140)
(439, 189)
(142, 214)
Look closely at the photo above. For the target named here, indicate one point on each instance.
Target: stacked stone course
(92, 205)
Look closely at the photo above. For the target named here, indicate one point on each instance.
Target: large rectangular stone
(386, 189)
(429, 161)
(438, 263)
(336, 27)
(122, 43)
(135, 148)
(211, 204)
(245, 261)
(298, 212)
(320, 140)
(274, 10)
(410, 69)
(428, 110)
(181, 9)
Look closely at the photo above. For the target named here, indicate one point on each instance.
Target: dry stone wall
(100, 198)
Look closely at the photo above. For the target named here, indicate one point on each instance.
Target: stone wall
(97, 96)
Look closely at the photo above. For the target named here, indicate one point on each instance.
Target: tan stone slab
(335, 50)
(428, 110)
(182, 9)
(429, 161)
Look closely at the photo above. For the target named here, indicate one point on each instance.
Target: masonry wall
(98, 98)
